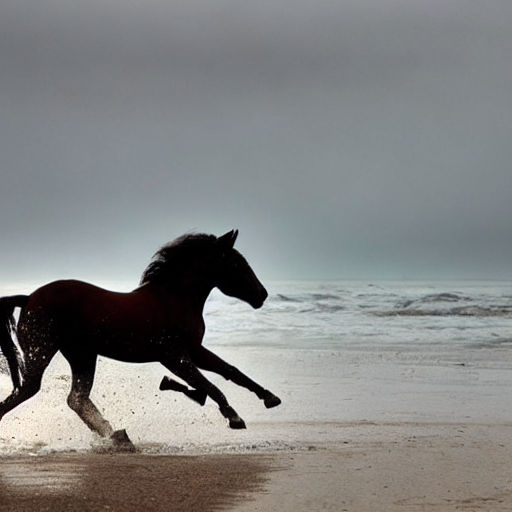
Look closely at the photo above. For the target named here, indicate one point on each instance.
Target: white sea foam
(335, 352)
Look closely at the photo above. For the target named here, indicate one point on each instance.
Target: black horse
(161, 320)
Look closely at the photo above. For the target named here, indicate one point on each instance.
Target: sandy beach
(392, 467)
(396, 467)
(94, 482)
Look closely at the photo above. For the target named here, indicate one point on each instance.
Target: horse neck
(192, 289)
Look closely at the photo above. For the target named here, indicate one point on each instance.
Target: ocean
(338, 353)
(390, 315)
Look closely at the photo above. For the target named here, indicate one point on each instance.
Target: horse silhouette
(160, 321)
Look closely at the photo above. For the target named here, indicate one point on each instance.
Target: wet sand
(396, 468)
(127, 482)
(380, 466)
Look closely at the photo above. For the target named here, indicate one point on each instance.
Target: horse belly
(125, 345)
(138, 338)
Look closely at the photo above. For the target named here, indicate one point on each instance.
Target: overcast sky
(361, 138)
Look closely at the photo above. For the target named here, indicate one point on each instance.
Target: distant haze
(344, 139)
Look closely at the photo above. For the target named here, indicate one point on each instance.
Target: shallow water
(337, 353)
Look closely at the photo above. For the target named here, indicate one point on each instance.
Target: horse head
(235, 277)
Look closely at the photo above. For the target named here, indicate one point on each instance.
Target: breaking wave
(474, 311)
(447, 304)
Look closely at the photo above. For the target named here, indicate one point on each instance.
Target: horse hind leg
(29, 387)
(83, 370)
(78, 399)
(36, 362)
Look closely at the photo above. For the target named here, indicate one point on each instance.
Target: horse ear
(227, 241)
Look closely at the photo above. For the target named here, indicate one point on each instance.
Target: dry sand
(379, 467)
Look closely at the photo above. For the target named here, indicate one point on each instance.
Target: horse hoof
(164, 384)
(237, 423)
(271, 401)
(121, 442)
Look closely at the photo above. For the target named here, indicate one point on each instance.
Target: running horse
(160, 321)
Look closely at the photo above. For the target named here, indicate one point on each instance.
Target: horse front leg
(194, 394)
(185, 369)
(207, 360)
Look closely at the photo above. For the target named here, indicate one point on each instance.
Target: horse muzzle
(257, 303)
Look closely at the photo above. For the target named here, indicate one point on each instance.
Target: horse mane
(173, 256)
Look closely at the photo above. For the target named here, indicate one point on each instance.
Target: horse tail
(7, 328)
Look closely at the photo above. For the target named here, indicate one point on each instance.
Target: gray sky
(343, 138)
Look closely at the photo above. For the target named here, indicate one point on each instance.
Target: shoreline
(391, 466)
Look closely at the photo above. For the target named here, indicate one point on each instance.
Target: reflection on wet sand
(87, 482)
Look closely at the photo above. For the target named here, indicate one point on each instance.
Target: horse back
(72, 298)
(79, 310)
